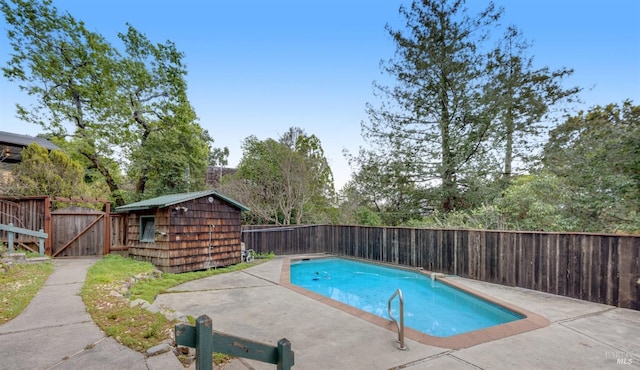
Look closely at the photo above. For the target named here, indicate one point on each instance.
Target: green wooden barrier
(204, 339)
(11, 230)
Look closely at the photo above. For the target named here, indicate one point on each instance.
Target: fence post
(285, 356)
(107, 228)
(204, 343)
(10, 237)
(41, 245)
(48, 225)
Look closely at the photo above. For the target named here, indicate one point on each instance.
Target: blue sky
(260, 67)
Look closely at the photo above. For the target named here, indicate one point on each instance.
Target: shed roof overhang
(171, 199)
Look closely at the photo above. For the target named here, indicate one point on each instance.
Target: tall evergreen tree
(521, 96)
(434, 120)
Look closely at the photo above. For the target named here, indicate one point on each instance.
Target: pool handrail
(400, 326)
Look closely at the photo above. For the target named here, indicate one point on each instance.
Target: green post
(10, 237)
(204, 343)
(41, 245)
(285, 356)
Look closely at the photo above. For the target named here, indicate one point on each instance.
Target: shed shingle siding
(182, 238)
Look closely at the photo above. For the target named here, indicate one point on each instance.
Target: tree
(596, 153)
(256, 182)
(282, 182)
(71, 72)
(105, 104)
(319, 175)
(537, 202)
(174, 160)
(52, 173)
(219, 157)
(355, 209)
(381, 184)
(521, 96)
(167, 148)
(435, 117)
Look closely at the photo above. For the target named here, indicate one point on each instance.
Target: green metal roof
(171, 199)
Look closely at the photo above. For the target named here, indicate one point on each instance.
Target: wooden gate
(78, 231)
(73, 231)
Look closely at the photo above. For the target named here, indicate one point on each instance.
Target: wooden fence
(600, 268)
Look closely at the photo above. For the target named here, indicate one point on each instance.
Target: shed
(185, 232)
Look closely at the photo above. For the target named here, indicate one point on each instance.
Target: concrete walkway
(252, 304)
(56, 332)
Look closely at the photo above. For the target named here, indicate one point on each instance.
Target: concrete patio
(253, 304)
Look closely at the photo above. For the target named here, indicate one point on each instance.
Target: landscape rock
(140, 302)
(160, 348)
(153, 308)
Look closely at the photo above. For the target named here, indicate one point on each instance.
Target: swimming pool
(430, 307)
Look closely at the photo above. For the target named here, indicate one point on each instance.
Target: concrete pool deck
(253, 303)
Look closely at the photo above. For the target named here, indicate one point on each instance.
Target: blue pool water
(430, 306)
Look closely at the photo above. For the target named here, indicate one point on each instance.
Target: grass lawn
(135, 327)
(18, 285)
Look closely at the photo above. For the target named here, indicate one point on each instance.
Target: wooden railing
(12, 230)
(205, 340)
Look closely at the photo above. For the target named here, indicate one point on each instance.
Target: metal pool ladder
(400, 325)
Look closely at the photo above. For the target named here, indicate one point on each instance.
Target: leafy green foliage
(70, 72)
(44, 172)
(537, 202)
(283, 182)
(384, 186)
(168, 150)
(484, 217)
(590, 181)
(596, 154)
(219, 157)
(355, 208)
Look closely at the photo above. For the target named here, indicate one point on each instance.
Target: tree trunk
(111, 182)
(448, 170)
(508, 152)
(141, 184)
